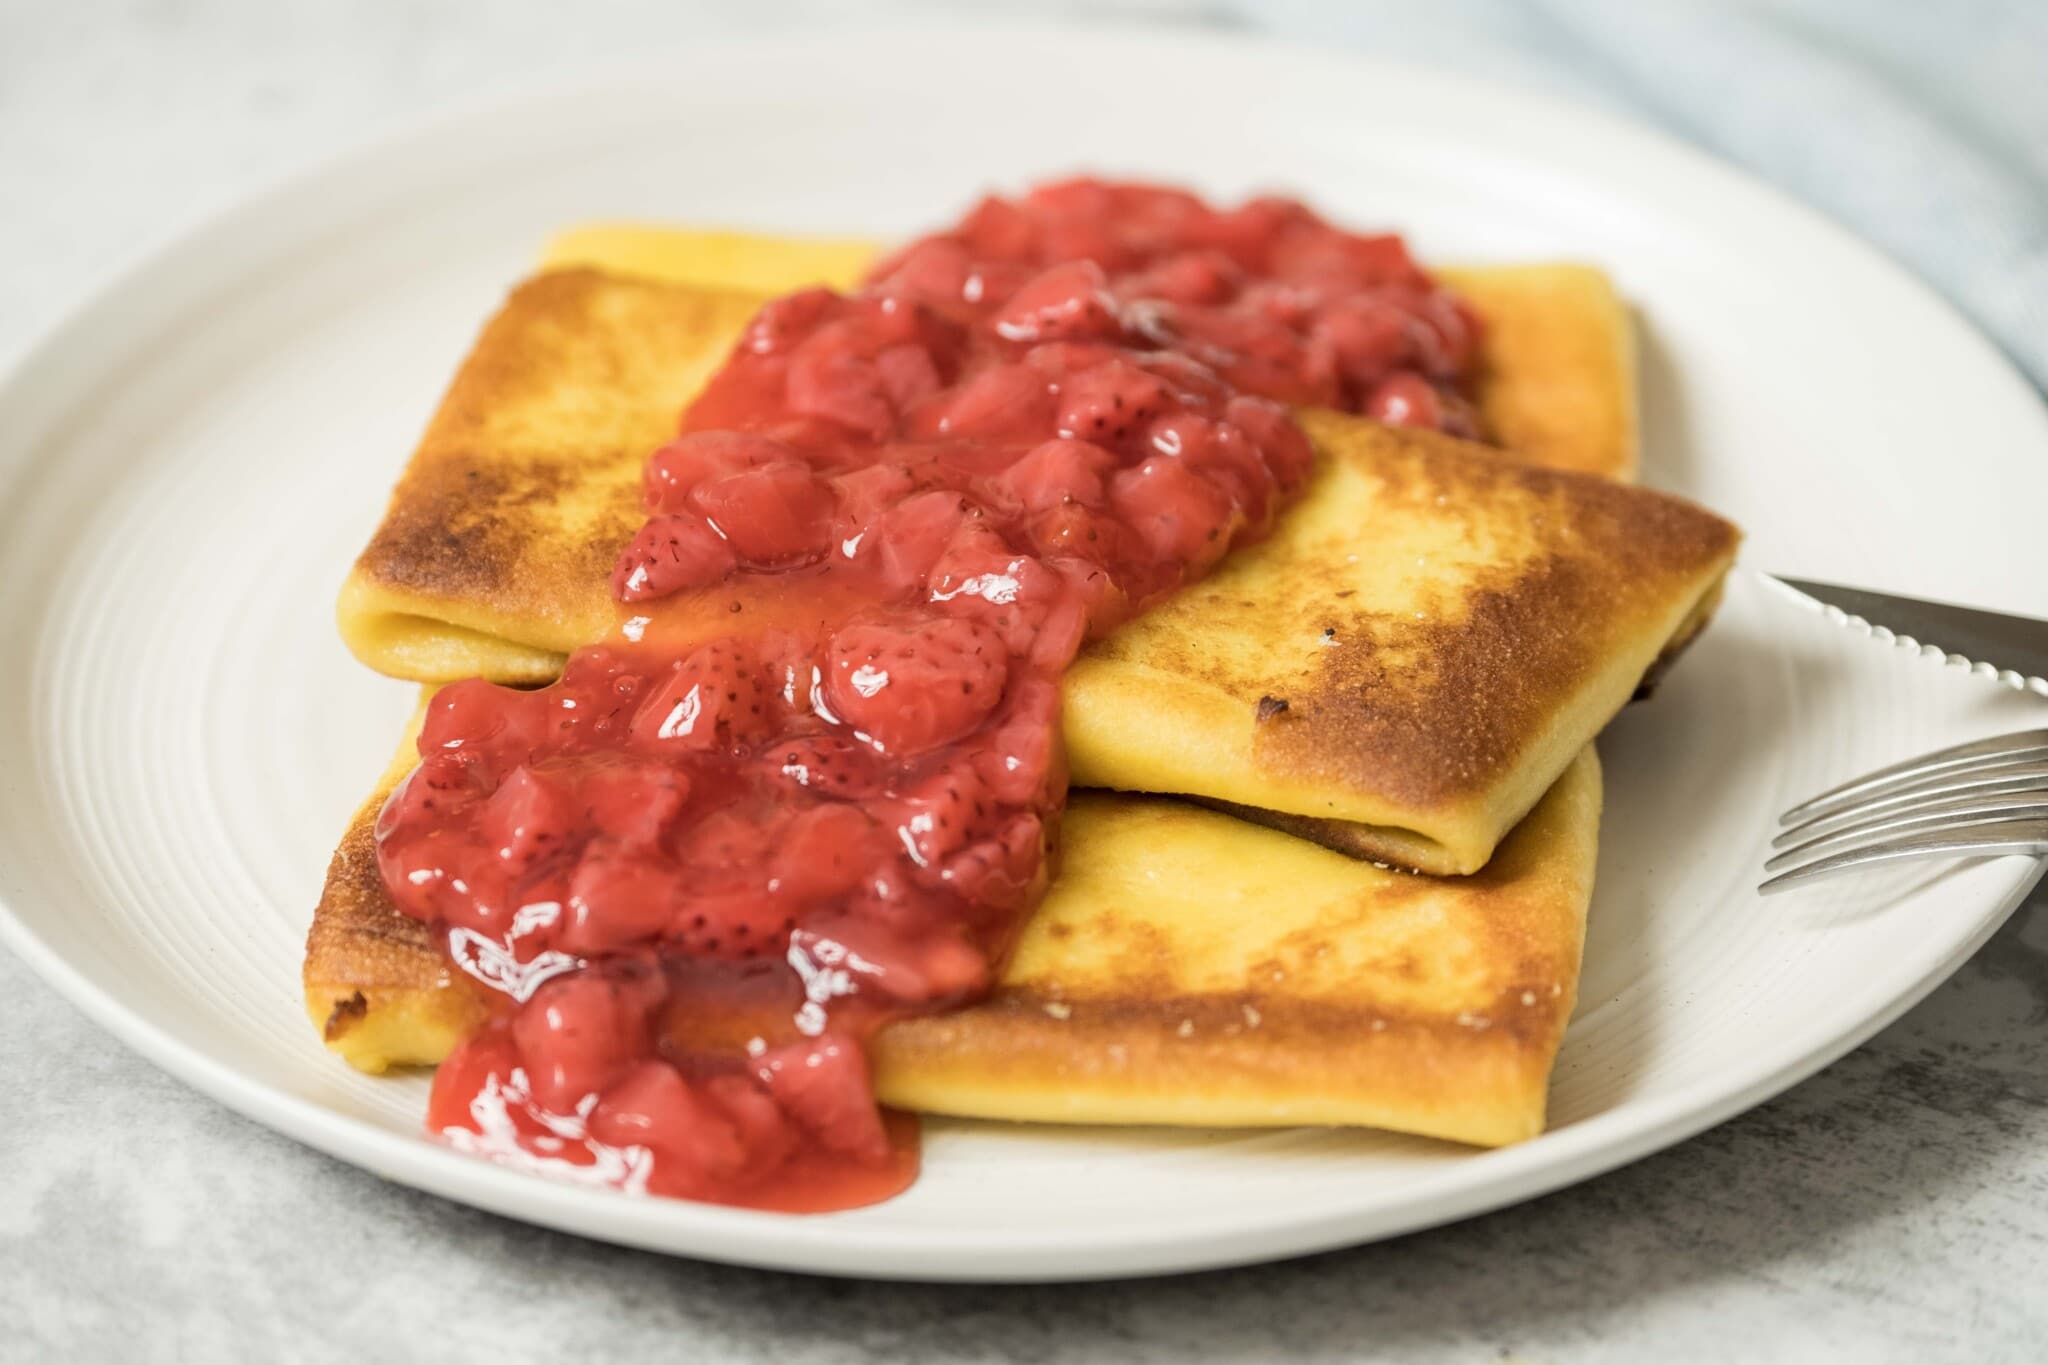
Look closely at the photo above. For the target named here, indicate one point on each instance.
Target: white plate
(191, 461)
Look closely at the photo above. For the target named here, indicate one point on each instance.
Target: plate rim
(780, 1241)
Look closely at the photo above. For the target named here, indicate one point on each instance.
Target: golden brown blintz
(1188, 968)
(1413, 656)
(1185, 968)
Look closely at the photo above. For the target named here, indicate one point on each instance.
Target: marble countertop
(1894, 1207)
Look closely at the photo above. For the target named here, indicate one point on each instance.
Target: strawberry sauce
(811, 782)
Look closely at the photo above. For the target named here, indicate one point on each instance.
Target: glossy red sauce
(810, 784)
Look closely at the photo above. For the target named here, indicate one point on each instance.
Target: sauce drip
(812, 782)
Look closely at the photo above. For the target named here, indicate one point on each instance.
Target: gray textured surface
(1895, 1207)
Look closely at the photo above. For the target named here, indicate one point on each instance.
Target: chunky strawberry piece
(824, 1085)
(824, 851)
(1057, 473)
(529, 817)
(619, 896)
(737, 924)
(999, 873)
(773, 516)
(1015, 595)
(912, 687)
(678, 468)
(1358, 343)
(1077, 530)
(811, 783)
(578, 1034)
(828, 765)
(1068, 302)
(942, 813)
(1221, 453)
(481, 718)
(1201, 276)
(1177, 513)
(907, 540)
(728, 846)
(935, 272)
(631, 801)
(783, 323)
(668, 555)
(908, 375)
(1287, 451)
(997, 229)
(1406, 399)
(468, 1084)
(1023, 765)
(830, 378)
(712, 700)
(1004, 402)
(1058, 360)
(893, 954)
(1110, 402)
(652, 1106)
(867, 493)
(766, 1133)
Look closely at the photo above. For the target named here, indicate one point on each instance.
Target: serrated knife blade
(2013, 649)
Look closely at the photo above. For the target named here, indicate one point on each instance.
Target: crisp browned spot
(345, 1014)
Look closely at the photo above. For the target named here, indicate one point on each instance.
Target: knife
(2013, 649)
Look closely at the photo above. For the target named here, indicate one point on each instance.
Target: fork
(1989, 796)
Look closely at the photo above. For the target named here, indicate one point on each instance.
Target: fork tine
(2010, 777)
(1953, 812)
(2010, 836)
(2015, 747)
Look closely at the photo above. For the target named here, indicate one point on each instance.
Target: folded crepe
(1400, 670)
(1186, 968)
